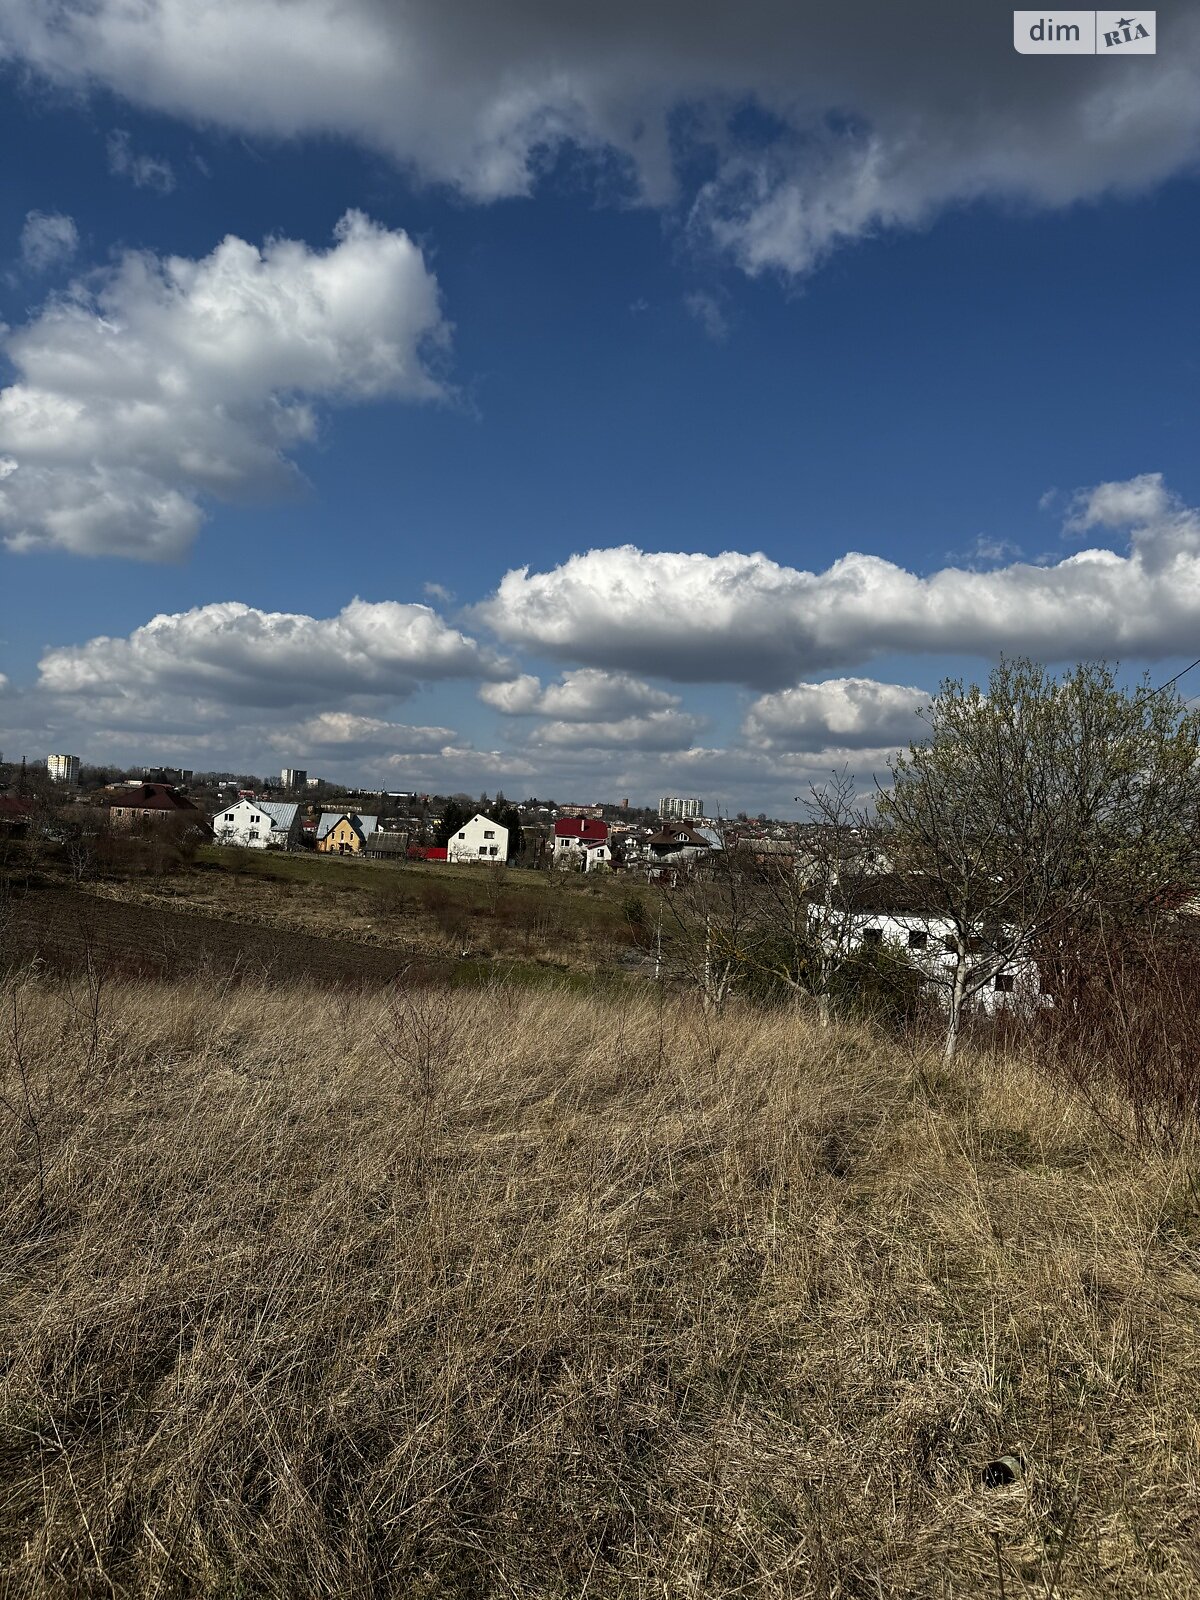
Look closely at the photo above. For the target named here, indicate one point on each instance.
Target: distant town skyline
(657, 402)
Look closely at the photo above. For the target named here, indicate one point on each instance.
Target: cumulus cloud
(658, 730)
(850, 713)
(817, 126)
(585, 695)
(143, 171)
(48, 239)
(747, 619)
(230, 655)
(346, 733)
(1142, 500)
(162, 381)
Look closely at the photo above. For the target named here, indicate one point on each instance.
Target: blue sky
(656, 298)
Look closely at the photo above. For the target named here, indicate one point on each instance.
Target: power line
(1180, 674)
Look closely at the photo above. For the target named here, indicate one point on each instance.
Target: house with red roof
(581, 843)
(136, 805)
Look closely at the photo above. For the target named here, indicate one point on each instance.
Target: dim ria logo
(1084, 33)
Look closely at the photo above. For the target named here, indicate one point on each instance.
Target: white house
(259, 825)
(481, 839)
(581, 842)
(928, 942)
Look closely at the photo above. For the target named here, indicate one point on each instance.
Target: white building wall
(248, 825)
(923, 940)
(63, 769)
(480, 840)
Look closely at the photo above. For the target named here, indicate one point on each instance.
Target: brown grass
(556, 918)
(543, 1295)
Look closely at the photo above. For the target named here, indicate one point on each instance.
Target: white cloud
(586, 695)
(850, 713)
(229, 655)
(143, 171)
(1141, 500)
(863, 117)
(657, 730)
(48, 239)
(163, 380)
(747, 619)
(346, 733)
(438, 592)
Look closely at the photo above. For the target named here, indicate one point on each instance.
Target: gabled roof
(153, 797)
(685, 836)
(362, 825)
(281, 812)
(392, 844)
(590, 829)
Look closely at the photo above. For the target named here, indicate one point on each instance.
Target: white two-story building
(481, 839)
(259, 825)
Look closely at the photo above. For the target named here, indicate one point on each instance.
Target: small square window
(1005, 983)
(489, 833)
(917, 940)
(872, 936)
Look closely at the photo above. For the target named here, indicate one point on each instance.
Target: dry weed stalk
(470, 1294)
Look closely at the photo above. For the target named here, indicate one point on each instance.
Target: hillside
(540, 1295)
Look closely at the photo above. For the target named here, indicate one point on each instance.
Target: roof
(330, 819)
(154, 797)
(684, 836)
(587, 828)
(389, 843)
(281, 812)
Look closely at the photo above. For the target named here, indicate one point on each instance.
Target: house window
(872, 936)
(253, 834)
(917, 940)
(489, 833)
(483, 850)
(950, 945)
(1005, 983)
(493, 850)
(462, 836)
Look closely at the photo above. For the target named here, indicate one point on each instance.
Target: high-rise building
(293, 778)
(63, 769)
(680, 808)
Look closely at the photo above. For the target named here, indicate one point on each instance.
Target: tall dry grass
(531, 1295)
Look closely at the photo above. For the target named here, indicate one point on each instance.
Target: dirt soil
(61, 926)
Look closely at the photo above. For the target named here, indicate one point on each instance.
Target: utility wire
(1182, 673)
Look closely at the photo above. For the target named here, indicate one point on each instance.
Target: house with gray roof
(259, 825)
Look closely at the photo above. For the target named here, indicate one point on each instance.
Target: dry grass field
(559, 920)
(534, 1295)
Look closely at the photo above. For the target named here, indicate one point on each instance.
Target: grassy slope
(552, 1296)
(561, 919)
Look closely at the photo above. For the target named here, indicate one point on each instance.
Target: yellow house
(344, 833)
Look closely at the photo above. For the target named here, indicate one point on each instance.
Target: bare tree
(711, 924)
(1038, 803)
